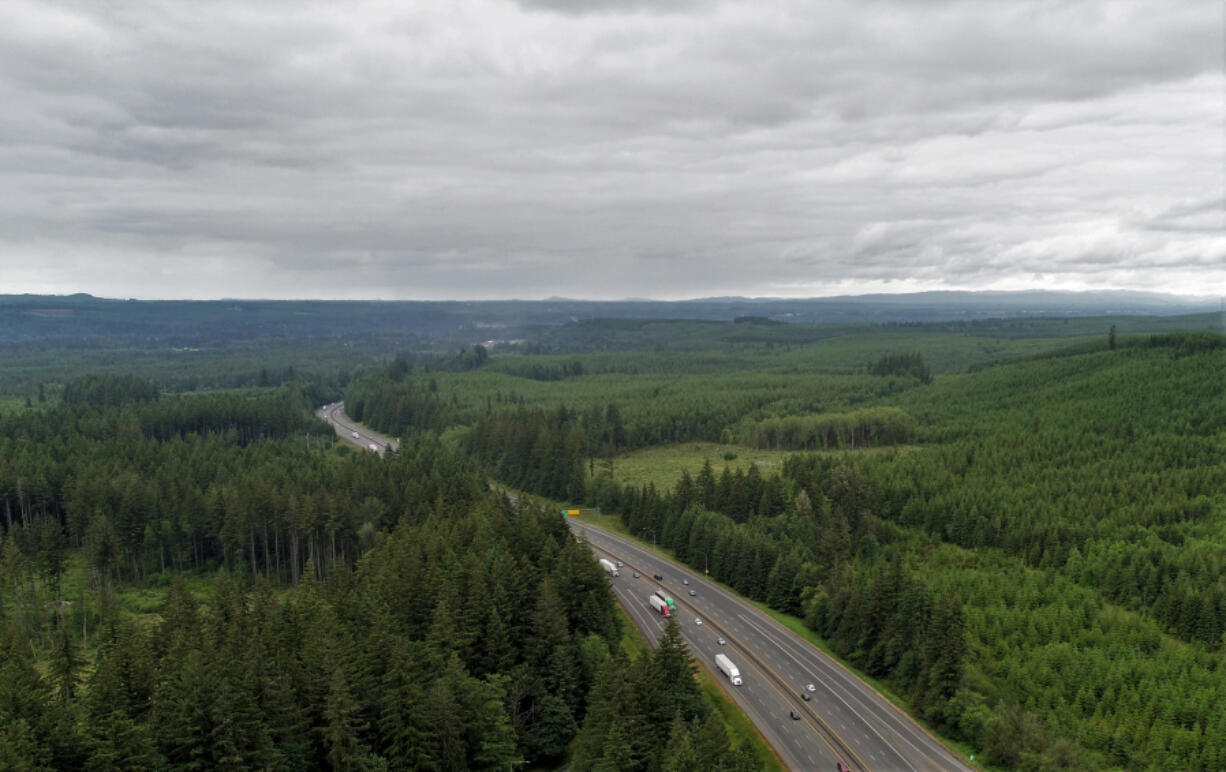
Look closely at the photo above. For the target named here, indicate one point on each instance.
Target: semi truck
(672, 606)
(727, 668)
(609, 568)
(658, 604)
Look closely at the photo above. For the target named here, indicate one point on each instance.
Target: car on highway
(805, 696)
(621, 564)
(355, 435)
(636, 574)
(795, 716)
(693, 594)
(685, 581)
(657, 577)
(722, 642)
(843, 767)
(811, 687)
(697, 620)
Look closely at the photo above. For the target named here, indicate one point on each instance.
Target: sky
(596, 149)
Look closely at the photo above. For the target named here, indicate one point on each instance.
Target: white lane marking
(897, 725)
(834, 692)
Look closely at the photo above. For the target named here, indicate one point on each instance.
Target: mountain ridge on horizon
(953, 294)
(72, 319)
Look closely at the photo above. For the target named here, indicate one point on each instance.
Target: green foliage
(869, 427)
(1059, 526)
(907, 365)
(108, 390)
(647, 713)
(1039, 574)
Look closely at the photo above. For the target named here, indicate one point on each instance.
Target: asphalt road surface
(352, 433)
(845, 718)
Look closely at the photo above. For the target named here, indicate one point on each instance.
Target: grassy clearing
(145, 603)
(662, 465)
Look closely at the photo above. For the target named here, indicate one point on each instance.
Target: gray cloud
(492, 149)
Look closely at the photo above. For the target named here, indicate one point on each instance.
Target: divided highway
(352, 433)
(846, 720)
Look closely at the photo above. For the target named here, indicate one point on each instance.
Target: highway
(846, 720)
(798, 743)
(352, 433)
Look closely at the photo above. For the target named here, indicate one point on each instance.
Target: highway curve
(334, 414)
(845, 719)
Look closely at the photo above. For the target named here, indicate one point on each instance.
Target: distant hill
(81, 317)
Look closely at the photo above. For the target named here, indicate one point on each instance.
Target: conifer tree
(710, 742)
(65, 667)
(679, 753)
(20, 750)
(403, 719)
(673, 683)
(182, 715)
(342, 734)
(117, 742)
(447, 727)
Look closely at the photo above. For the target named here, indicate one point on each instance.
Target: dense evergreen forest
(1032, 557)
(323, 609)
(1016, 525)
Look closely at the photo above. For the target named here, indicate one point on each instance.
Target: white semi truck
(727, 668)
(658, 603)
(609, 568)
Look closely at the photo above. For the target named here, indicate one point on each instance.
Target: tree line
(1063, 514)
(365, 613)
(870, 427)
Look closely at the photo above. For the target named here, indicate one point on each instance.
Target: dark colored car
(843, 767)
(657, 577)
(805, 696)
(795, 716)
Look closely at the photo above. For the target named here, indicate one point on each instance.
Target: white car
(722, 642)
(810, 687)
(697, 621)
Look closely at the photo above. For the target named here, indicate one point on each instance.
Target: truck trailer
(672, 605)
(658, 604)
(609, 568)
(727, 668)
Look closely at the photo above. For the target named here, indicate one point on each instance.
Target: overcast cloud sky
(602, 149)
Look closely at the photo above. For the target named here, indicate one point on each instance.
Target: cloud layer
(479, 149)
